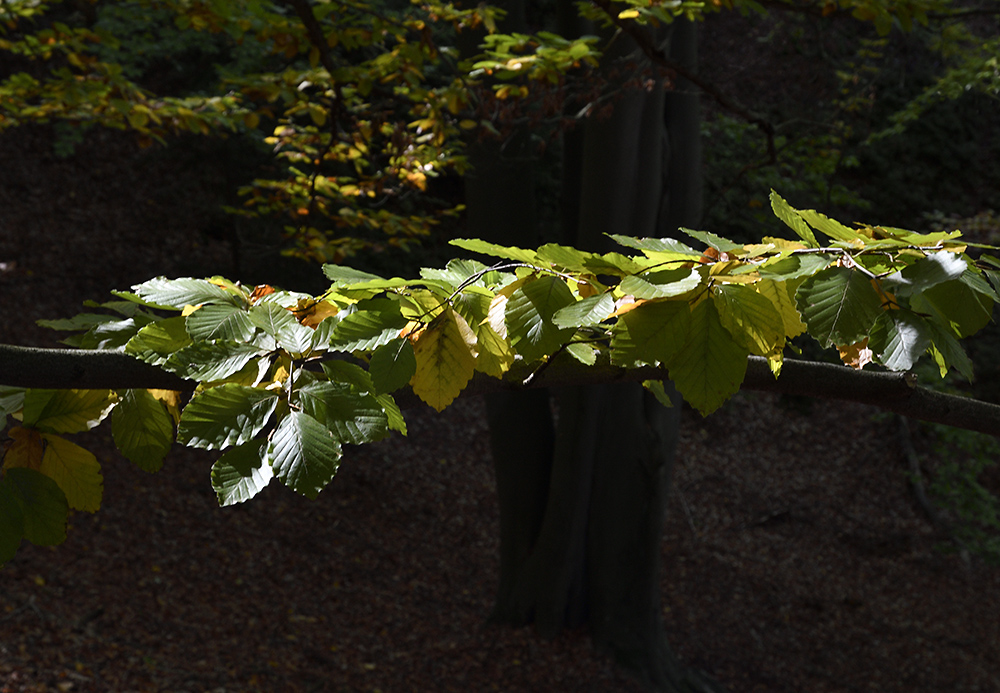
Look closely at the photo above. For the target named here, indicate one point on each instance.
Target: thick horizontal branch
(896, 392)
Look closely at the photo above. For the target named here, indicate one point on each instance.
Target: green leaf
(925, 273)
(82, 321)
(156, 342)
(66, 411)
(350, 374)
(42, 506)
(11, 399)
(392, 365)
(650, 334)
(367, 329)
(280, 324)
(224, 416)
(752, 320)
(392, 413)
(487, 248)
(206, 362)
(723, 245)
(142, 429)
(839, 305)
(781, 295)
(710, 367)
(113, 335)
(584, 353)
(831, 227)
(529, 317)
(789, 215)
(220, 322)
(457, 272)
(352, 418)
(795, 266)
(661, 284)
(341, 275)
(956, 304)
(177, 293)
(304, 454)
(658, 245)
(656, 388)
(586, 312)
(899, 338)
(564, 257)
(950, 353)
(241, 473)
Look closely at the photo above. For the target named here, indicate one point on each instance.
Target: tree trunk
(582, 501)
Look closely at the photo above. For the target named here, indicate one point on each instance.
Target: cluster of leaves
(286, 379)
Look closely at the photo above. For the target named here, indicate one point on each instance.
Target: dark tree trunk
(582, 500)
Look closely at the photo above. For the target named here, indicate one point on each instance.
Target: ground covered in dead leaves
(795, 558)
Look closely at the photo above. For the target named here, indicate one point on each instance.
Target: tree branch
(895, 392)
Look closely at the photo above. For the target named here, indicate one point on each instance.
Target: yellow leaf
(495, 354)
(24, 450)
(628, 14)
(856, 355)
(445, 361)
(75, 470)
(171, 399)
(781, 296)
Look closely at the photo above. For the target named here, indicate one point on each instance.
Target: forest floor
(796, 558)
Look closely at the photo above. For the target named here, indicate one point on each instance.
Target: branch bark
(895, 392)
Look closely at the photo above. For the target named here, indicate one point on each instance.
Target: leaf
(789, 215)
(241, 473)
(392, 365)
(494, 354)
(956, 304)
(584, 353)
(76, 470)
(898, 338)
(41, 504)
(949, 352)
(367, 329)
(220, 322)
(66, 411)
(341, 275)
(142, 429)
(487, 248)
(350, 374)
(226, 415)
(856, 355)
(651, 334)
(303, 454)
(11, 399)
(925, 273)
(445, 361)
(723, 245)
(656, 388)
(831, 227)
(113, 335)
(206, 362)
(839, 305)
(177, 293)
(156, 342)
(280, 324)
(781, 295)
(661, 284)
(658, 245)
(351, 418)
(528, 317)
(585, 313)
(392, 413)
(750, 318)
(25, 449)
(710, 367)
(795, 266)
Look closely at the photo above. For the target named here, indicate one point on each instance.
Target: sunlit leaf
(241, 473)
(304, 455)
(67, 411)
(528, 317)
(76, 470)
(226, 415)
(839, 305)
(445, 360)
(651, 334)
(899, 338)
